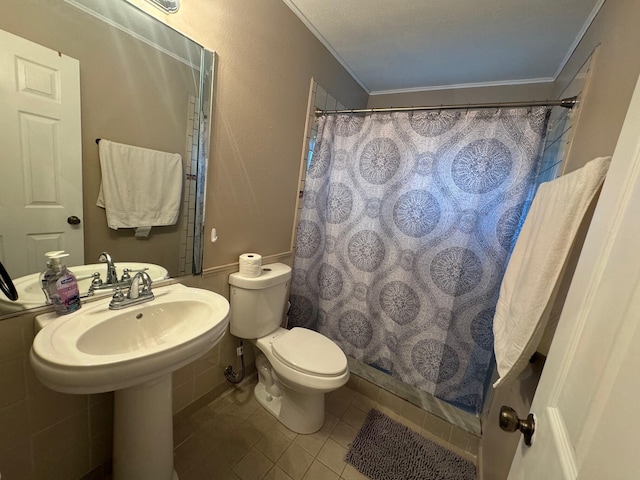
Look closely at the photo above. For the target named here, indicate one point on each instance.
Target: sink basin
(99, 350)
(148, 329)
(30, 293)
(133, 352)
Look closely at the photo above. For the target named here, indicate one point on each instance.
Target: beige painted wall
(124, 86)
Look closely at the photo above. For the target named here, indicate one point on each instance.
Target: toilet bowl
(297, 367)
(304, 366)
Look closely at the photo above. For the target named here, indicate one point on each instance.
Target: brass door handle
(509, 422)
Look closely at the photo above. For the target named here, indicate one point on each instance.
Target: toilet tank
(258, 303)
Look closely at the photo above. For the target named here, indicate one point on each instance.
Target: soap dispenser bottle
(44, 276)
(62, 285)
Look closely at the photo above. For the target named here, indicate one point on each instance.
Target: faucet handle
(118, 296)
(126, 276)
(96, 280)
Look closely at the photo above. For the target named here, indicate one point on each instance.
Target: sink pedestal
(143, 432)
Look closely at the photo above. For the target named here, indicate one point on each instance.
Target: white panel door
(40, 155)
(586, 403)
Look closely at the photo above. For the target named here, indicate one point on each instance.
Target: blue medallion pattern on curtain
(407, 223)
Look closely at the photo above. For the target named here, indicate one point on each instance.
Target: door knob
(73, 220)
(509, 422)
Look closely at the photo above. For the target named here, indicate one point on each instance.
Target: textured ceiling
(404, 45)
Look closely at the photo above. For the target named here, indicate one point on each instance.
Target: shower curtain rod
(569, 102)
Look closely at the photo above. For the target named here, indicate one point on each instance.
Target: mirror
(141, 83)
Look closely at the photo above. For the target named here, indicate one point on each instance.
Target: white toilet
(298, 366)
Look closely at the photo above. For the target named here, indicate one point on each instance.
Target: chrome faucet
(112, 275)
(139, 292)
(125, 281)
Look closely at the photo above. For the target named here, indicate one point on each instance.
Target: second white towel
(536, 263)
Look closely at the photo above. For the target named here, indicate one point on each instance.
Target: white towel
(536, 264)
(140, 188)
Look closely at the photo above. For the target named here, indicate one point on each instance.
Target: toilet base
(300, 412)
(268, 401)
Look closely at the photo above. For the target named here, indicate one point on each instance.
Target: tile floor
(234, 438)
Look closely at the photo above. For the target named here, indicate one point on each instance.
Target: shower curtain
(407, 223)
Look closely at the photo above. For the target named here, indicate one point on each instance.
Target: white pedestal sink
(132, 352)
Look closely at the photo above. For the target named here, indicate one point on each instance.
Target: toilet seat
(309, 352)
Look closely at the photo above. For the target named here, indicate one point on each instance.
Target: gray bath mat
(387, 450)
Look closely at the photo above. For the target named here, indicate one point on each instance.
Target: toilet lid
(310, 352)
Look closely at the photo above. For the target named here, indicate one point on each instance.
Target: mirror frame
(207, 81)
